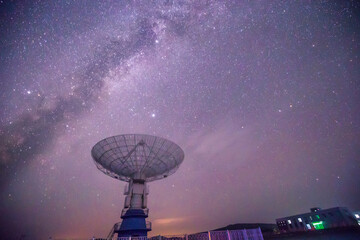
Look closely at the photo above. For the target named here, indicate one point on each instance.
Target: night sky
(262, 96)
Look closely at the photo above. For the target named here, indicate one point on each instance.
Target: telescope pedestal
(134, 224)
(135, 210)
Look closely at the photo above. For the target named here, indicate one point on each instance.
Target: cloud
(169, 221)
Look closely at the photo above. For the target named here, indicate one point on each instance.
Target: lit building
(318, 219)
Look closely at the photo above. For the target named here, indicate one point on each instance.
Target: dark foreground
(327, 234)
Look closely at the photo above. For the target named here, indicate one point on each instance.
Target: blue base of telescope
(134, 224)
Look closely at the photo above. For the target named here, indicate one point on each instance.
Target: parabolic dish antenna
(130, 156)
(136, 159)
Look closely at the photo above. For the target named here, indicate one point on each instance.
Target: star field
(263, 97)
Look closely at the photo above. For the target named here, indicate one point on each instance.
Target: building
(317, 219)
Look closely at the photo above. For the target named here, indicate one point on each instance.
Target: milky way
(262, 96)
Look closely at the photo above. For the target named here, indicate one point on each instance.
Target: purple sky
(262, 96)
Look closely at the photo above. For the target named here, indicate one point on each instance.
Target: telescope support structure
(135, 210)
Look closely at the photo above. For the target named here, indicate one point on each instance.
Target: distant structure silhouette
(136, 159)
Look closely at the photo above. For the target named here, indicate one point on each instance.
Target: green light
(318, 225)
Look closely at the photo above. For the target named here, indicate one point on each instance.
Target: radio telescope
(136, 159)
